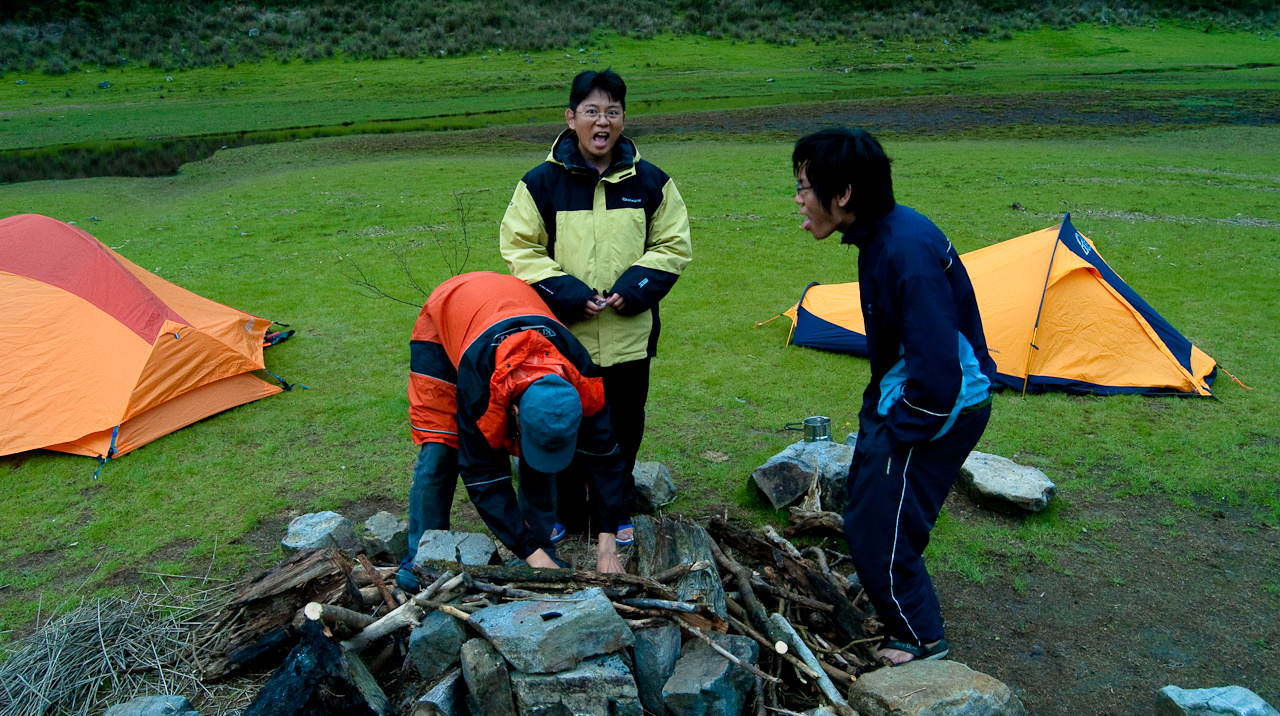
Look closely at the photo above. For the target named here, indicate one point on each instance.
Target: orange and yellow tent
(1055, 315)
(98, 356)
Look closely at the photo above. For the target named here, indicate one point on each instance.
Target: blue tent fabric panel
(1043, 384)
(1177, 343)
(814, 332)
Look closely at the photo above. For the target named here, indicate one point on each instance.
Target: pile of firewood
(813, 623)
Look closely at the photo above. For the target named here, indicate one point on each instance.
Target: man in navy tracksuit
(929, 396)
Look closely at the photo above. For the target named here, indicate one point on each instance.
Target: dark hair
(840, 158)
(608, 82)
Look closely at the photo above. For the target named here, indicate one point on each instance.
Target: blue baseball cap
(550, 413)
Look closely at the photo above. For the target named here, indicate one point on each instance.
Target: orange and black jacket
(479, 341)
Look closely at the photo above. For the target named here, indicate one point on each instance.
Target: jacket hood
(564, 151)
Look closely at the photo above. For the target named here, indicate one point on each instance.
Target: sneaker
(408, 581)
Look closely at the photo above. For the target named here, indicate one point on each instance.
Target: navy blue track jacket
(924, 334)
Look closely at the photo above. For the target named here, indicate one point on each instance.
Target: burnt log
(257, 626)
(319, 678)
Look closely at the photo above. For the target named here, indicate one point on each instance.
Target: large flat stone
(485, 672)
(465, 547)
(435, 645)
(663, 544)
(785, 477)
(154, 706)
(928, 688)
(446, 698)
(320, 529)
(386, 536)
(704, 683)
(656, 651)
(1005, 485)
(1220, 701)
(602, 685)
(546, 636)
(654, 488)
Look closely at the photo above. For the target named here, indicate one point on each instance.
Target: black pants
(626, 387)
(895, 495)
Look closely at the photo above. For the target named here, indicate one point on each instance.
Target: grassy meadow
(1188, 218)
(665, 74)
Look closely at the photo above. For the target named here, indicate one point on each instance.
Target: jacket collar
(864, 230)
(564, 151)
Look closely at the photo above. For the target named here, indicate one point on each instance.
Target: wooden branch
(754, 609)
(747, 631)
(662, 604)
(331, 615)
(408, 615)
(825, 685)
(834, 577)
(362, 579)
(780, 593)
(646, 623)
(496, 573)
(726, 654)
(780, 542)
(507, 591)
(826, 524)
(445, 584)
(376, 578)
(679, 571)
(455, 612)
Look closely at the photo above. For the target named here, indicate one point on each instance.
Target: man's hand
(615, 301)
(540, 560)
(607, 554)
(594, 306)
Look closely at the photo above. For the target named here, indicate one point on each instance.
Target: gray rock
(601, 685)
(851, 440)
(1220, 701)
(661, 545)
(1002, 483)
(446, 698)
(935, 687)
(785, 477)
(435, 645)
(387, 536)
(704, 683)
(488, 681)
(546, 636)
(656, 651)
(154, 706)
(320, 529)
(464, 547)
(654, 487)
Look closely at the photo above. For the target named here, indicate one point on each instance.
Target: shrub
(55, 66)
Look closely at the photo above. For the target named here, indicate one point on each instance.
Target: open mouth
(600, 139)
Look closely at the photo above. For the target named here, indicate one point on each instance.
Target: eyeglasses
(802, 187)
(593, 114)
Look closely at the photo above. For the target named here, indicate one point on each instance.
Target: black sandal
(918, 652)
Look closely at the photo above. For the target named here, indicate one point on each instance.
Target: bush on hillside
(56, 33)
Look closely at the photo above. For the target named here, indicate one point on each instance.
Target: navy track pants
(895, 496)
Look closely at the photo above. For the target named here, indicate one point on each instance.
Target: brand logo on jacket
(633, 201)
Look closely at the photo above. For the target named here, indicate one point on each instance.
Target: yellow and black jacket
(571, 233)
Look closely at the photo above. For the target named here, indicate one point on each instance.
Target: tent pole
(1026, 370)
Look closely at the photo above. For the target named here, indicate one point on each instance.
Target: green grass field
(1189, 218)
(667, 74)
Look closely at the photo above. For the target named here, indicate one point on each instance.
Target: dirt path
(1163, 596)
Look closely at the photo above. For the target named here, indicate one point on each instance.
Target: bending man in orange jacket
(492, 374)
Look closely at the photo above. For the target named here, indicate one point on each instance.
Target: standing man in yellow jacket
(602, 235)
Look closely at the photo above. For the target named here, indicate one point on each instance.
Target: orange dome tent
(98, 356)
(1056, 318)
